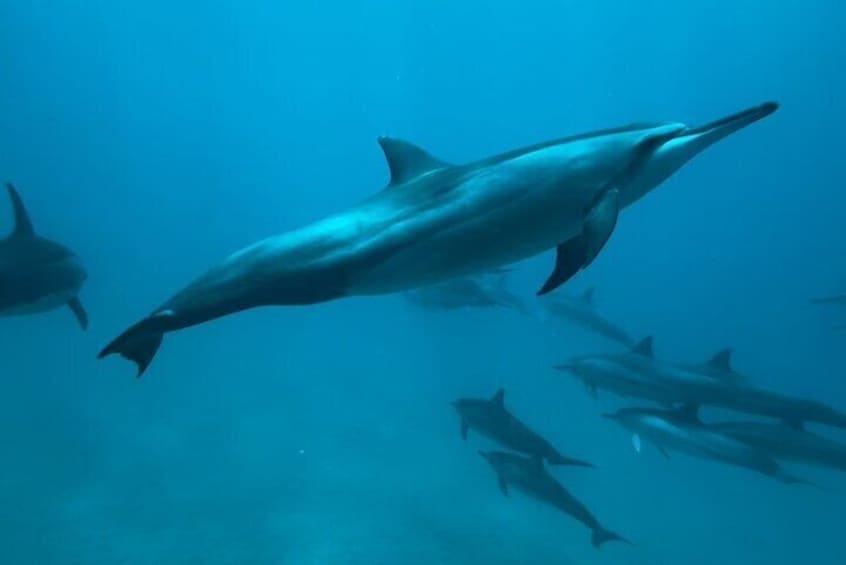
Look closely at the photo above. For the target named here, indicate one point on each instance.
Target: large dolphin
(681, 430)
(582, 311)
(528, 475)
(36, 274)
(491, 418)
(435, 221)
(787, 441)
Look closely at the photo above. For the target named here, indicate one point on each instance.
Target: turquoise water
(156, 139)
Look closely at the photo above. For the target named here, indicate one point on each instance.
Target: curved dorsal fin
(499, 398)
(721, 360)
(23, 225)
(407, 161)
(644, 347)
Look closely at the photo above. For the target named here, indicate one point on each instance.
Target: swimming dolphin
(717, 367)
(435, 221)
(492, 419)
(681, 430)
(480, 291)
(582, 311)
(528, 475)
(36, 274)
(638, 374)
(787, 441)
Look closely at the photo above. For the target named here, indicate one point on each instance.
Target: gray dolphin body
(638, 374)
(435, 221)
(582, 311)
(492, 419)
(481, 291)
(529, 476)
(36, 274)
(788, 442)
(682, 431)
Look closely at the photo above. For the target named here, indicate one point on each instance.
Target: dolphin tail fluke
(558, 459)
(138, 344)
(601, 535)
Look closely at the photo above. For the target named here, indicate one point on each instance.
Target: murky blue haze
(155, 138)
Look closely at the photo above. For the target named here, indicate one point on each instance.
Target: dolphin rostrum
(681, 430)
(582, 311)
(36, 274)
(492, 419)
(435, 221)
(528, 475)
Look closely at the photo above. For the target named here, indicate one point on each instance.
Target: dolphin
(435, 221)
(489, 291)
(582, 311)
(528, 475)
(639, 374)
(681, 430)
(718, 367)
(787, 441)
(37, 274)
(492, 419)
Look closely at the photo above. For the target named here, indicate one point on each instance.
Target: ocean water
(155, 138)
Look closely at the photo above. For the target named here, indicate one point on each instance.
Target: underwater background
(155, 138)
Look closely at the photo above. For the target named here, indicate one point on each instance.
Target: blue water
(155, 138)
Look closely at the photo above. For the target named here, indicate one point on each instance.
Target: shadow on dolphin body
(436, 221)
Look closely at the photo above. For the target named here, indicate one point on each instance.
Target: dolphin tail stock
(556, 458)
(140, 342)
(600, 535)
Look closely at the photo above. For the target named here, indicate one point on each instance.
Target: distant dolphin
(480, 291)
(718, 367)
(681, 430)
(787, 441)
(36, 274)
(492, 419)
(581, 310)
(528, 475)
(638, 374)
(836, 299)
(437, 221)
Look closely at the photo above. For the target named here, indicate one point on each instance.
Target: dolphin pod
(36, 274)
(435, 221)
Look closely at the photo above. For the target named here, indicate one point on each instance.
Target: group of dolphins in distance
(446, 234)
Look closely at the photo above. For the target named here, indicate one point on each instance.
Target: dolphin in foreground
(36, 274)
(582, 311)
(492, 419)
(681, 430)
(787, 441)
(528, 475)
(435, 221)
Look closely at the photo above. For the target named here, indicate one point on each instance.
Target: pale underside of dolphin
(435, 221)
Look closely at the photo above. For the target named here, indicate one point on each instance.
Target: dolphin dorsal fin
(499, 398)
(407, 161)
(587, 295)
(23, 225)
(721, 360)
(644, 347)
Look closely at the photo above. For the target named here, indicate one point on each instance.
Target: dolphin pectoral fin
(464, 428)
(140, 343)
(503, 486)
(79, 311)
(577, 253)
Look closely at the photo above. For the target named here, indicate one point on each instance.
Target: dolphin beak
(718, 129)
